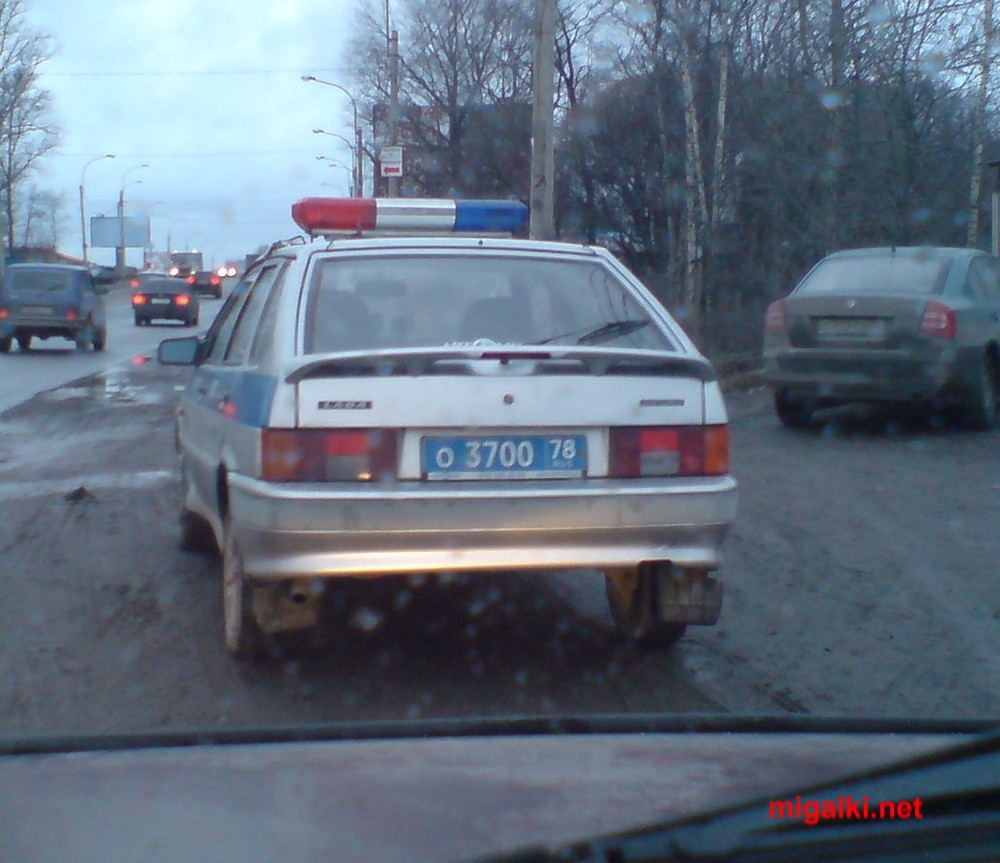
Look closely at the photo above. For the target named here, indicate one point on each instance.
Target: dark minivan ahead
(46, 300)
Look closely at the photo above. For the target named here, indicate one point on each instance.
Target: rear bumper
(40, 327)
(296, 530)
(898, 376)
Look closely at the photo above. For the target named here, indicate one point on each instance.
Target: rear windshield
(165, 285)
(870, 274)
(40, 281)
(460, 301)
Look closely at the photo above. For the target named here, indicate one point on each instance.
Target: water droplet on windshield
(366, 619)
(831, 98)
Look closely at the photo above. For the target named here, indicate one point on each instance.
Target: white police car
(412, 393)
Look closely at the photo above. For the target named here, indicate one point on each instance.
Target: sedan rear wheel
(793, 413)
(633, 603)
(24, 343)
(244, 638)
(980, 411)
(5, 345)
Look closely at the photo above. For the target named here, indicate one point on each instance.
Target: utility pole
(393, 104)
(541, 225)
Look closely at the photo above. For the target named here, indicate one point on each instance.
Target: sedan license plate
(161, 301)
(852, 328)
(505, 457)
(36, 310)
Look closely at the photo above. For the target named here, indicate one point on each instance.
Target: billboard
(106, 232)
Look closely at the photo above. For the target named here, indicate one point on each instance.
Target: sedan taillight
(328, 455)
(4, 313)
(939, 320)
(71, 314)
(669, 451)
(776, 322)
(182, 300)
(139, 299)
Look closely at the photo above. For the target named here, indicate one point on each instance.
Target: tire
(792, 413)
(632, 601)
(5, 345)
(979, 412)
(243, 636)
(85, 336)
(138, 321)
(24, 343)
(100, 339)
(196, 534)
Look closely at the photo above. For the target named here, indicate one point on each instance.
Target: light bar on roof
(339, 215)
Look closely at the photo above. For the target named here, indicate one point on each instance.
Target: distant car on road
(918, 325)
(52, 300)
(165, 298)
(206, 282)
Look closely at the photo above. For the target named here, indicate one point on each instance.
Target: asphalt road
(861, 579)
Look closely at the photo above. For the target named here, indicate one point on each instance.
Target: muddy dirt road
(861, 578)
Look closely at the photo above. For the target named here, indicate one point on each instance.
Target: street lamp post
(359, 176)
(333, 163)
(83, 216)
(120, 251)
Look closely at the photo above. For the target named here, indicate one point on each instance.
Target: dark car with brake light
(895, 326)
(165, 298)
(52, 301)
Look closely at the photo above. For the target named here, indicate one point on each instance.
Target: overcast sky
(208, 94)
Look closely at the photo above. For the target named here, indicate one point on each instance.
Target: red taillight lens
(134, 283)
(215, 280)
(328, 455)
(939, 320)
(669, 451)
(775, 322)
(182, 300)
(190, 280)
(4, 313)
(71, 315)
(139, 299)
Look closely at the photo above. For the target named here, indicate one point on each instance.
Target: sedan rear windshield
(870, 274)
(473, 300)
(40, 281)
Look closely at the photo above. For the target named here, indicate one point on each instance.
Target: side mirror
(179, 352)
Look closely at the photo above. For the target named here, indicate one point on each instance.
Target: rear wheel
(100, 339)
(243, 635)
(24, 343)
(5, 345)
(980, 409)
(792, 412)
(84, 336)
(633, 603)
(138, 321)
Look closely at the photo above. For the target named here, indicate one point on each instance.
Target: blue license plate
(551, 456)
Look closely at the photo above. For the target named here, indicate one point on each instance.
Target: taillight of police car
(668, 451)
(328, 455)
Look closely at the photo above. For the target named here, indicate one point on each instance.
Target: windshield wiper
(603, 333)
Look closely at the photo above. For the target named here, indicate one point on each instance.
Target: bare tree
(26, 130)
(979, 124)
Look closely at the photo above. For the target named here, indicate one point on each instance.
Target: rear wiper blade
(602, 333)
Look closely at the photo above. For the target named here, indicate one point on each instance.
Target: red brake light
(776, 323)
(669, 451)
(4, 313)
(328, 455)
(190, 280)
(138, 299)
(939, 320)
(215, 280)
(182, 300)
(134, 283)
(71, 315)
